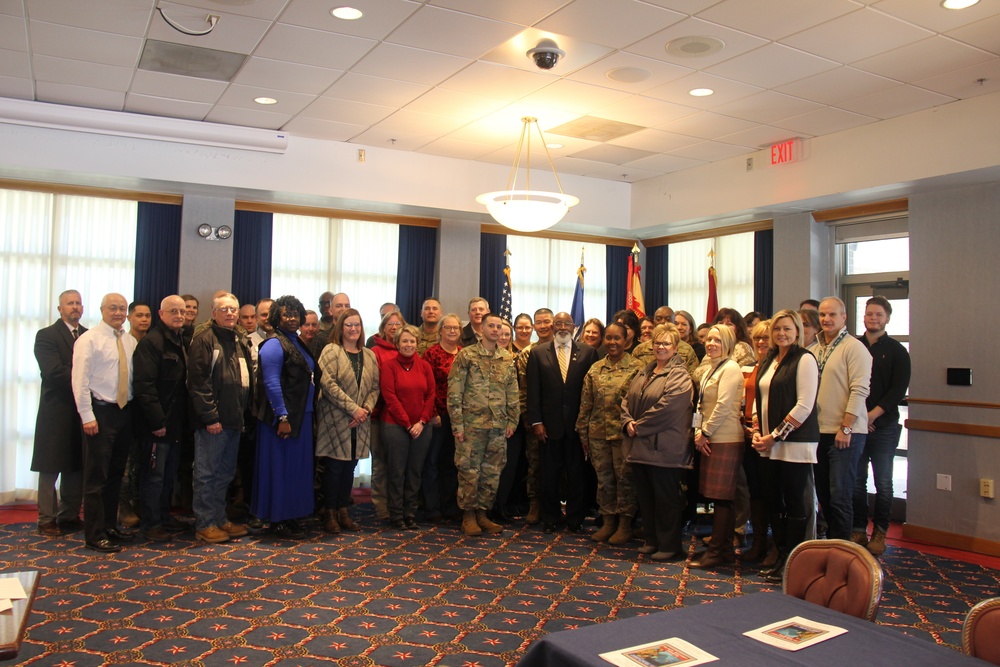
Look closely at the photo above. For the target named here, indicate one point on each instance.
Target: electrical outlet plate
(986, 488)
(944, 482)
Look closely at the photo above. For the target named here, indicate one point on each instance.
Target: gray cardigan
(340, 395)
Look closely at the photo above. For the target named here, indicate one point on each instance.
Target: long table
(14, 621)
(718, 628)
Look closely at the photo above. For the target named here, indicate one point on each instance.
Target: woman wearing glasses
(349, 389)
(384, 346)
(439, 483)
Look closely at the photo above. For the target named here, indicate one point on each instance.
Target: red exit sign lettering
(786, 151)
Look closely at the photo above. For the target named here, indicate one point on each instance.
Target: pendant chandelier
(527, 210)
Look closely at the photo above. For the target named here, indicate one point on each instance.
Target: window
(543, 275)
(734, 267)
(50, 243)
(312, 255)
(884, 255)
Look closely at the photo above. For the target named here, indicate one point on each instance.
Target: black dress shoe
(411, 523)
(574, 526)
(104, 546)
(287, 530)
(549, 527)
(50, 529)
(71, 526)
(116, 535)
(398, 524)
(172, 525)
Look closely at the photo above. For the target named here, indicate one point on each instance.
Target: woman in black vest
(786, 432)
(286, 379)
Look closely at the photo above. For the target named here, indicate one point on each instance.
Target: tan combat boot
(607, 528)
(484, 522)
(469, 525)
(534, 512)
(624, 533)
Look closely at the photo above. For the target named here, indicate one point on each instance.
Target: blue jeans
(880, 449)
(836, 472)
(214, 468)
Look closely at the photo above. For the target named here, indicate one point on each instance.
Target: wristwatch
(283, 419)
(846, 430)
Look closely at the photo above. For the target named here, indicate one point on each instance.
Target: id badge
(696, 420)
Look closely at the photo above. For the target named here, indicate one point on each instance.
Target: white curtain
(313, 255)
(48, 244)
(734, 268)
(543, 275)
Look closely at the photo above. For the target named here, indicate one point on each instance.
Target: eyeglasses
(175, 311)
(662, 343)
(451, 328)
(761, 339)
(325, 303)
(116, 309)
(352, 325)
(227, 309)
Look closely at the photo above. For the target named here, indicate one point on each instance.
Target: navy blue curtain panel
(763, 272)
(157, 253)
(657, 277)
(491, 263)
(252, 239)
(617, 267)
(415, 269)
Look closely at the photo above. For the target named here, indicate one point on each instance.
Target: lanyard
(704, 381)
(825, 352)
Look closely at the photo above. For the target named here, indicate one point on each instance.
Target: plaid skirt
(717, 480)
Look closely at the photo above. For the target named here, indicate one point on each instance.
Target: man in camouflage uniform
(544, 319)
(430, 329)
(483, 404)
(600, 427)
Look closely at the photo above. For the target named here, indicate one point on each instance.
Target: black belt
(105, 404)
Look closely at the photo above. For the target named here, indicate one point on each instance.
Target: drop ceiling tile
(316, 128)
(965, 83)
(824, 121)
(771, 66)
(463, 150)
(774, 19)
(380, 16)
(767, 107)
(580, 167)
(707, 125)
(293, 77)
(837, 85)
(503, 127)
(12, 8)
(762, 136)
(895, 102)
(414, 122)
(377, 137)
(487, 79)
(467, 36)
(860, 34)
(260, 9)
(626, 173)
(711, 151)
(514, 52)
(455, 104)
(243, 97)
(312, 47)
(16, 88)
(160, 106)
(15, 63)
(521, 12)
(651, 73)
(679, 91)
(612, 154)
(13, 36)
(931, 15)
(615, 23)
(665, 164)
(375, 90)
(658, 141)
(735, 42)
(644, 111)
(79, 73)
(53, 39)
(924, 59)
(125, 17)
(984, 34)
(690, 7)
(191, 89)
(346, 111)
(79, 96)
(233, 33)
(573, 96)
(247, 117)
(405, 64)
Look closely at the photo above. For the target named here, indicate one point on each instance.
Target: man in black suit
(555, 381)
(58, 452)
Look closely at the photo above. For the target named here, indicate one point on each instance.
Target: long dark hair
(337, 335)
(737, 321)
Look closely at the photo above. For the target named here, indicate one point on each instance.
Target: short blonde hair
(796, 320)
(666, 330)
(726, 337)
(406, 329)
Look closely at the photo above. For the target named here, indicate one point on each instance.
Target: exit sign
(786, 151)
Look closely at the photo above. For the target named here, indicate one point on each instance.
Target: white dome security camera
(546, 54)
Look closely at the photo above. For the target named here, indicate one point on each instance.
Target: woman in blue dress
(286, 383)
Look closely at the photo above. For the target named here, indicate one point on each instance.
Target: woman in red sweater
(408, 389)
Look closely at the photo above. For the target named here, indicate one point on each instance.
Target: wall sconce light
(209, 233)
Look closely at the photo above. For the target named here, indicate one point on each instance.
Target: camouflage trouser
(615, 491)
(480, 459)
(531, 453)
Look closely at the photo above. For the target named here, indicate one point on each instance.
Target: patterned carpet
(384, 597)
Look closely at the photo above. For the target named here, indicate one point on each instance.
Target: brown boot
(484, 522)
(345, 520)
(469, 525)
(330, 524)
(876, 546)
(624, 533)
(607, 528)
(720, 549)
(534, 512)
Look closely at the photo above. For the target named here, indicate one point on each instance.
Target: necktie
(76, 334)
(563, 353)
(122, 398)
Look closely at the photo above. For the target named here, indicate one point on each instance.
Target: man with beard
(430, 332)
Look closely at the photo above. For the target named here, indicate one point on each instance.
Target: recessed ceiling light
(958, 4)
(553, 145)
(265, 100)
(701, 92)
(346, 13)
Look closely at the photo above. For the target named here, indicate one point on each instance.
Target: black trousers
(661, 501)
(104, 458)
(555, 456)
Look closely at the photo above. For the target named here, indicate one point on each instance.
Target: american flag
(505, 299)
